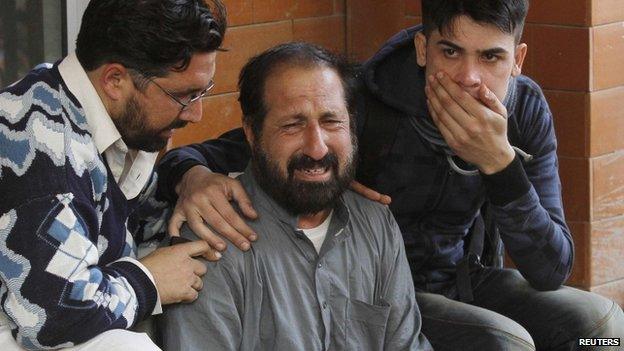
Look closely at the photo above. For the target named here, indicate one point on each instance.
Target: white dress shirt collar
(131, 168)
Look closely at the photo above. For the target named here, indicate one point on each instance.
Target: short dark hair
(149, 36)
(255, 73)
(506, 15)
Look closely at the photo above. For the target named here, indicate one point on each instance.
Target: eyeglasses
(191, 99)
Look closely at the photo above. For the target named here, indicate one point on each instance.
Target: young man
(78, 143)
(439, 105)
(329, 270)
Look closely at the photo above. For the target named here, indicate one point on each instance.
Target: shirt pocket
(365, 325)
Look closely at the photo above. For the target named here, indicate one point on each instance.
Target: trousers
(508, 314)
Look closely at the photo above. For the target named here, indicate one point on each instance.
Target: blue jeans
(508, 314)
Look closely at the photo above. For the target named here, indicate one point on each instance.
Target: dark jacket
(434, 205)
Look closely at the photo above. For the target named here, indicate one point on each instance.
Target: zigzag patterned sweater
(63, 223)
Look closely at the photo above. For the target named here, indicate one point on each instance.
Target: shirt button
(324, 305)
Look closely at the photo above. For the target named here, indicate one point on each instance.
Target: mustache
(177, 124)
(330, 160)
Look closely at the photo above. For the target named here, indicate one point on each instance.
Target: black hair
(255, 73)
(506, 15)
(152, 37)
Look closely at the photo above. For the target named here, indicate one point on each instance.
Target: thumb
(194, 248)
(175, 223)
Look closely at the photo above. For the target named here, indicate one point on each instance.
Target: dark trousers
(508, 314)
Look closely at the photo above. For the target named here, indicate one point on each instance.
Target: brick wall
(576, 53)
(256, 25)
(370, 23)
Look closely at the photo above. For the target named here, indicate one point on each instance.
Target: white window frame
(75, 9)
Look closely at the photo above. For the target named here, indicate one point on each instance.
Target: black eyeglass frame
(184, 105)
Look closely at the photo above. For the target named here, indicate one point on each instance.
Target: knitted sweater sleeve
(62, 235)
(526, 201)
(55, 291)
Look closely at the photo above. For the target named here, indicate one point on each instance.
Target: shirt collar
(131, 169)
(76, 79)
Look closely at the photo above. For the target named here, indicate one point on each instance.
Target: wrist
(189, 175)
(507, 185)
(501, 162)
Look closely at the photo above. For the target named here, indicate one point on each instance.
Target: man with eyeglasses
(78, 143)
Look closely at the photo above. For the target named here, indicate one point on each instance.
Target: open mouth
(313, 174)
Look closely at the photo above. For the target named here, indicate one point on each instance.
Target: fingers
(490, 100)
(370, 193)
(191, 291)
(244, 203)
(194, 248)
(454, 97)
(197, 225)
(451, 100)
(198, 284)
(212, 255)
(199, 267)
(195, 281)
(175, 223)
(225, 220)
(177, 275)
(446, 133)
(189, 295)
(448, 126)
(205, 199)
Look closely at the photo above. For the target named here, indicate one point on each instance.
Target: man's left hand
(474, 128)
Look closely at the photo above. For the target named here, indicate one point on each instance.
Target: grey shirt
(355, 294)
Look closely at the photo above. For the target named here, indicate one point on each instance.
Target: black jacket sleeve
(229, 153)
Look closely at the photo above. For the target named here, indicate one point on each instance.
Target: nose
(468, 74)
(193, 113)
(314, 142)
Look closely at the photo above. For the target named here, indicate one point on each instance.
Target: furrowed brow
(329, 114)
(494, 51)
(451, 45)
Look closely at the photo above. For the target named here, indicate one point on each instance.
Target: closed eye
(292, 126)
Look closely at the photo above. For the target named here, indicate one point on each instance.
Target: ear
(420, 42)
(249, 134)
(519, 56)
(115, 81)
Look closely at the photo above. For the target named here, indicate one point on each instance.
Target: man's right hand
(176, 272)
(204, 196)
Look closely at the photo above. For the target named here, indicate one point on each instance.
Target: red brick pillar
(576, 53)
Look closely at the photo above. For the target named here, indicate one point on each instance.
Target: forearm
(531, 222)
(229, 153)
(55, 281)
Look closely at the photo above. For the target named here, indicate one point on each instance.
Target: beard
(300, 197)
(131, 124)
